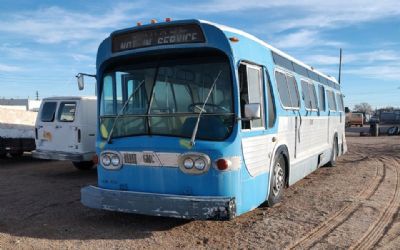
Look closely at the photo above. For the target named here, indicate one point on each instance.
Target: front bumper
(62, 156)
(178, 206)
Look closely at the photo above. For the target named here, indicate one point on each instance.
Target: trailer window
(66, 112)
(48, 112)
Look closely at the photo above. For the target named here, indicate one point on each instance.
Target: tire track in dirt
(343, 214)
(377, 230)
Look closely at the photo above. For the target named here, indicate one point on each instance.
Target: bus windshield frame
(169, 96)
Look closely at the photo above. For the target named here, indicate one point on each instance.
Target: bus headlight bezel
(111, 160)
(199, 163)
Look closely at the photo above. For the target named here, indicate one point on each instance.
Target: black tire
(83, 165)
(17, 154)
(334, 155)
(278, 180)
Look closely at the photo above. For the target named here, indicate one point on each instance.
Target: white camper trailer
(66, 130)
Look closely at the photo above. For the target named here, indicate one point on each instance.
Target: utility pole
(37, 95)
(340, 64)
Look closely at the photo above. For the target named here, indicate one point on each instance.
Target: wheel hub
(278, 179)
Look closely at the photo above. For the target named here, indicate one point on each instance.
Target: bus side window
(340, 102)
(244, 96)
(321, 95)
(271, 103)
(331, 100)
(251, 91)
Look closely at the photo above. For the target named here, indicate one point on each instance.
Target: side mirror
(80, 78)
(81, 83)
(252, 111)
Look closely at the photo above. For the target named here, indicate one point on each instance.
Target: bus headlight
(115, 160)
(194, 163)
(188, 163)
(106, 160)
(200, 164)
(111, 160)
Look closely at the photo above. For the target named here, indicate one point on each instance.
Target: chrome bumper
(178, 206)
(56, 155)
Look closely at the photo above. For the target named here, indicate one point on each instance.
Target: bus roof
(277, 51)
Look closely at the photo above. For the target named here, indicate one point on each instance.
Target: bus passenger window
(288, 92)
(271, 104)
(306, 95)
(293, 91)
(313, 96)
(283, 89)
(339, 99)
(331, 100)
(321, 94)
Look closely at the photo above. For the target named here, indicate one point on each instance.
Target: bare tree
(364, 108)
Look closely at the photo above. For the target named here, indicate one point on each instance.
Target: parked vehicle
(200, 120)
(66, 130)
(16, 131)
(355, 119)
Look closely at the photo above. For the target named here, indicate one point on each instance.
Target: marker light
(188, 163)
(138, 24)
(234, 39)
(222, 164)
(106, 160)
(95, 159)
(168, 19)
(153, 21)
(200, 164)
(115, 160)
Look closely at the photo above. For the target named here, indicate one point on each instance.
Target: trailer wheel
(277, 183)
(83, 165)
(17, 154)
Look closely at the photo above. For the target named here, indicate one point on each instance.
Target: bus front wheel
(277, 183)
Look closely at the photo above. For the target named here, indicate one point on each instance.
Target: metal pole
(340, 64)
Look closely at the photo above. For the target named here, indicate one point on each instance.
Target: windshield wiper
(122, 111)
(196, 127)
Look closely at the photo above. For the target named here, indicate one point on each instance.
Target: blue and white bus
(202, 121)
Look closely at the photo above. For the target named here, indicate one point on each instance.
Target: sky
(44, 44)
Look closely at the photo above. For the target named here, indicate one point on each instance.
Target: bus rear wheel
(83, 165)
(334, 154)
(277, 183)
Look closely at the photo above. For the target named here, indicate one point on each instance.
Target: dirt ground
(354, 205)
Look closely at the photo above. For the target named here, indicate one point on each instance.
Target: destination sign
(189, 33)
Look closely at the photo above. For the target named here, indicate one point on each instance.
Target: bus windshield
(165, 99)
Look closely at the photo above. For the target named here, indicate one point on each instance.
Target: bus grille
(130, 158)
